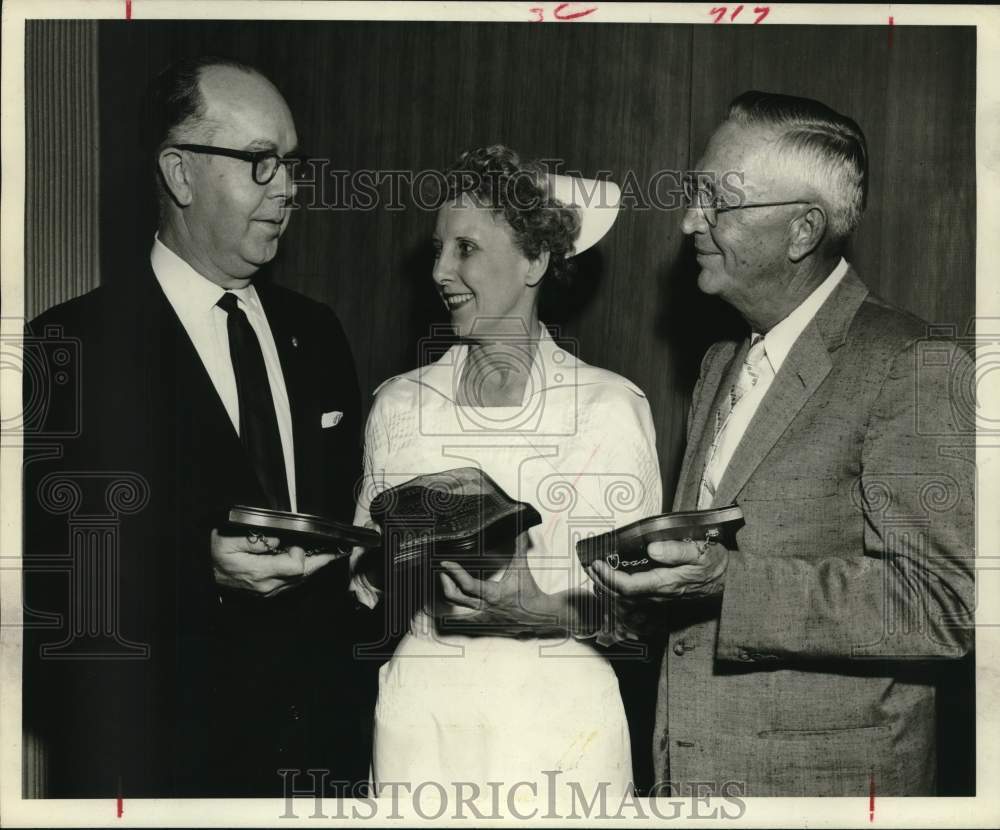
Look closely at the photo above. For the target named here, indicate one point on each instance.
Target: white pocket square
(330, 419)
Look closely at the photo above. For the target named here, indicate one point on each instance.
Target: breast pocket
(794, 516)
(789, 489)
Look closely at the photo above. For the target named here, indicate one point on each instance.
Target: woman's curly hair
(518, 191)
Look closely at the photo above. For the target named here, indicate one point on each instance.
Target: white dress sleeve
(630, 455)
(608, 476)
(628, 486)
(373, 481)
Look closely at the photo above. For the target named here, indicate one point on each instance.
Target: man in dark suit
(801, 663)
(184, 660)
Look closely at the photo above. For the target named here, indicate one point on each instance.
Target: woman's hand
(513, 606)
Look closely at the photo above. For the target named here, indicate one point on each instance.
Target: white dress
(581, 449)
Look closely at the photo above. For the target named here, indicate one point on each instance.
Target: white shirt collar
(779, 340)
(188, 291)
(552, 367)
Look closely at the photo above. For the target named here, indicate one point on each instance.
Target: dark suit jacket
(154, 683)
(854, 567)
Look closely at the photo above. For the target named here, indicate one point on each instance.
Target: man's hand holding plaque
(260, 564)
(685, 569)
(265, 552)
(671, 556)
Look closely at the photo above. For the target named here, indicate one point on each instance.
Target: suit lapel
(804, 369)
(178, 359)
(806, 366)
(720, 374)
(183, 398)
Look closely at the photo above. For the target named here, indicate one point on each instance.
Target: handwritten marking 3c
(562, 12)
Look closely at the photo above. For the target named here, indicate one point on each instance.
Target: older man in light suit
(800, 664)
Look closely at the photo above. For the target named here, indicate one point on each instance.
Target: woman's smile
(456, 301)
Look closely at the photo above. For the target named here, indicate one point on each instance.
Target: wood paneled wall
(62, 175)
(631, 100)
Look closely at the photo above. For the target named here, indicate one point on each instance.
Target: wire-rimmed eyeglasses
(703, 198)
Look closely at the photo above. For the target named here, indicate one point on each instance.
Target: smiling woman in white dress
(531, 698)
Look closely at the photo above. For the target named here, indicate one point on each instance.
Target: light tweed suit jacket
(853, 572)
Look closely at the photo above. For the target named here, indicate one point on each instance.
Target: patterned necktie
(750, 372)
(258, 422)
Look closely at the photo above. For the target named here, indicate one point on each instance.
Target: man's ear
(536, 269)
(808, 231)
(174, 171)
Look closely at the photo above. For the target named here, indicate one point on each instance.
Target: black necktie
(258, 422)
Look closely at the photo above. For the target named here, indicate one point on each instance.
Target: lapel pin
(295, 342)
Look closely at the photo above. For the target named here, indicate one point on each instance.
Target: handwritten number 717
(719, 12)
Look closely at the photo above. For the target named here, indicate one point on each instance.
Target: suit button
(679, 648)
(294, 713)
(744, 656)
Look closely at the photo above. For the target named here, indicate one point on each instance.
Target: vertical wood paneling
(62, 162)
(34, 767)
(929, 229)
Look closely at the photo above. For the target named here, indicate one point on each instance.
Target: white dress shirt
(193, 298)
(778, 343)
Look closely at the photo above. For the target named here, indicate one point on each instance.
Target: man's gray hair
(829, 148)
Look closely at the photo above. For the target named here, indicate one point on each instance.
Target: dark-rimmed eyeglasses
(264, 163)
(703, 198)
